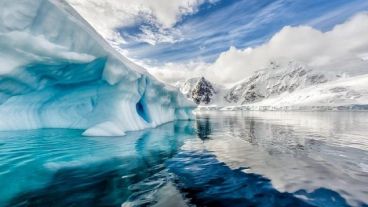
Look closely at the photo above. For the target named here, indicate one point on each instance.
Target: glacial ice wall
(57, 72)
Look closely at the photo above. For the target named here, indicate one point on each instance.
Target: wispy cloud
(158, 17)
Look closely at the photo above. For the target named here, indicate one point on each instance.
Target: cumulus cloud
(108, 15)
(343, 48)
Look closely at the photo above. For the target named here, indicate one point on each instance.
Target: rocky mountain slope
(199, 90)
(203, 92)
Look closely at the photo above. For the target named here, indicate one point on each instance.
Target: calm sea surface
(219, 159)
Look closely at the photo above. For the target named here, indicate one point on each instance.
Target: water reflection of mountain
(203, 127)
(291, 132)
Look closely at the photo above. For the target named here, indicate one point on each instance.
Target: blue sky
(216, 26)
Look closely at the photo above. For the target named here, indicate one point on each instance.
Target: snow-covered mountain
(186, 87)
(57, 72)
(276, 80)
(350, 93)
(289, 86)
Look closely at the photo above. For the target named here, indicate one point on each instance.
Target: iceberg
(56, 71)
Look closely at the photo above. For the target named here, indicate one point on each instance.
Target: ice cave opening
(142, 111)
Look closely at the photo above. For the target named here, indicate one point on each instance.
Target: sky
(176, 39)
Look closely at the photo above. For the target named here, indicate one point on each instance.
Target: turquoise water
(219, 159)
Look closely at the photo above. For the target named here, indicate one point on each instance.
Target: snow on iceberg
(57, 72)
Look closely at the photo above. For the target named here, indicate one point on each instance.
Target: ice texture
(57, 72)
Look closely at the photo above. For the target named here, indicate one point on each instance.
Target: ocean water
(219, 159)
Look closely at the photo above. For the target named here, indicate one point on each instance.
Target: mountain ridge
(288, 86)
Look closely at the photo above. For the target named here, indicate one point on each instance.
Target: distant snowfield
(342, 94)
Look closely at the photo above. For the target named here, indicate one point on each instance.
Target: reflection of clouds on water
(296, 150)
(206, 181)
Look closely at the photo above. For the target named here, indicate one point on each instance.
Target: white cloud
(173, 72)
(160, 35)
(108, 15)
(340, 49)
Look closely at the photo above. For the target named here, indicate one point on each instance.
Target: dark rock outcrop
(203, 92)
